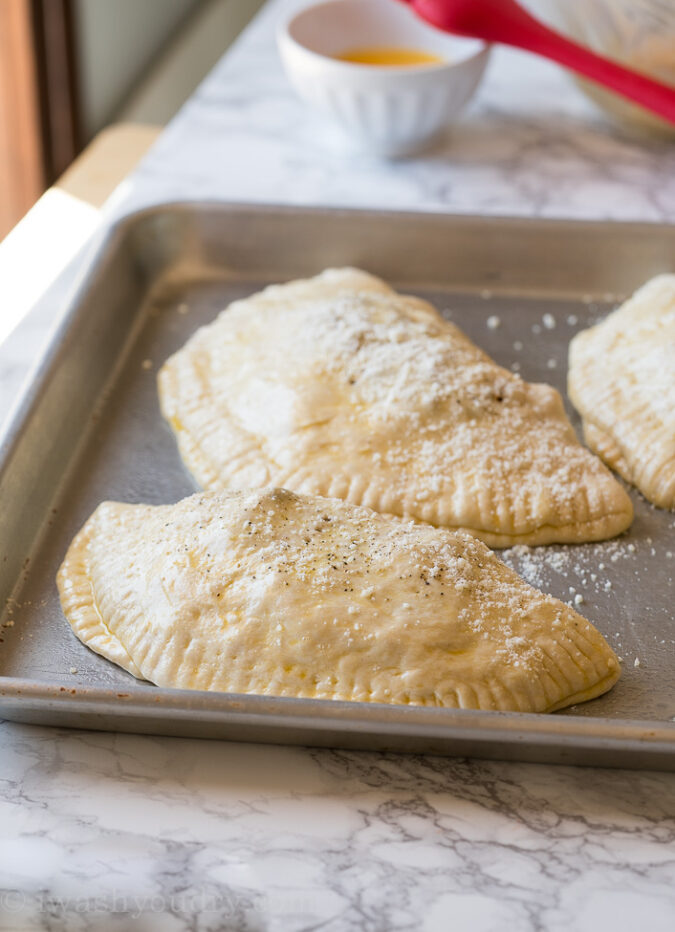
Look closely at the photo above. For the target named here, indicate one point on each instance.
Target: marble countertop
(104, 831)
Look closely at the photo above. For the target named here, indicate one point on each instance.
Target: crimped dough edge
(576, 665)
(602, 508)
(624, 429)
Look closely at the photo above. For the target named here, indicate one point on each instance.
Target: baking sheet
(89, 429)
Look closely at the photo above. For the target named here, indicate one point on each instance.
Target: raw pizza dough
(272, 593)
(622, 381)
(339, 386)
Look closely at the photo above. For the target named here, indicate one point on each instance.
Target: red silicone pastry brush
(507, 22)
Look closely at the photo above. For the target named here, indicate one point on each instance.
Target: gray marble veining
(101, 831)
(208, 835)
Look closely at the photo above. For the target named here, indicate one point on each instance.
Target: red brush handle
(507, 22)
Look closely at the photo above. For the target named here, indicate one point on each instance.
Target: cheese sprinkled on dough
(338, 386)
(274, 593)
(622, 381)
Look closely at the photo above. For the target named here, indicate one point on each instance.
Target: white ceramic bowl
(390, 111)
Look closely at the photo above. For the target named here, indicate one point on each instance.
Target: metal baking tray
(88, 428)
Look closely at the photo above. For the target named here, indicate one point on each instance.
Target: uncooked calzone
(622, 381)
(273, 593)
(339, 386)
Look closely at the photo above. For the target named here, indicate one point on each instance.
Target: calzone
(622, 381)
(339, 386)
(274, 593)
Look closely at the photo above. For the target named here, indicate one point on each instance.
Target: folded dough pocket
(339, 386)
(274, 593)
(622, 382)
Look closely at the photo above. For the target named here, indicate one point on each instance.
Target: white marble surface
(103, 831)
(530, 144)
(199, 835)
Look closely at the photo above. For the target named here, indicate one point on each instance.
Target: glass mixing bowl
(638, 33)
